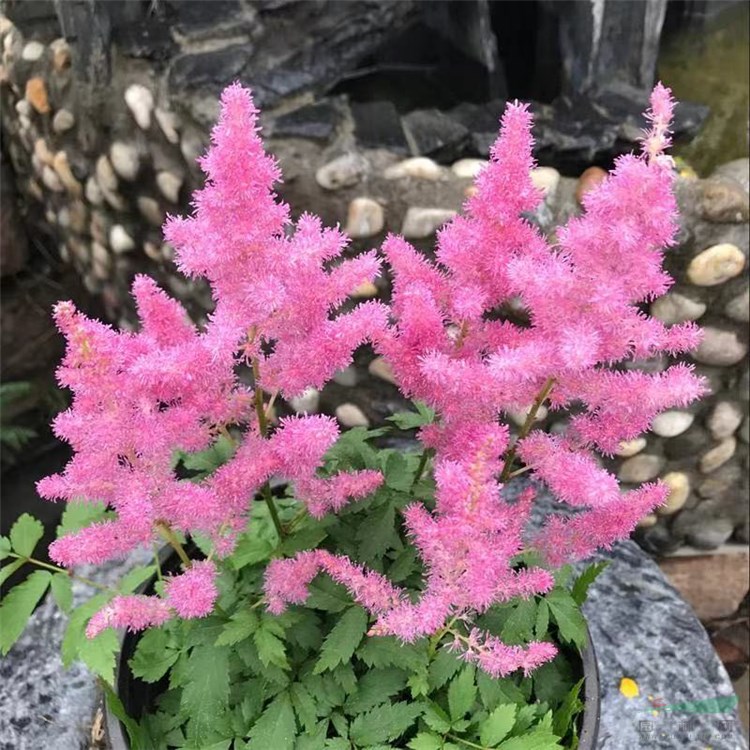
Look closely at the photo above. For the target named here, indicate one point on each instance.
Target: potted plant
(371, 598)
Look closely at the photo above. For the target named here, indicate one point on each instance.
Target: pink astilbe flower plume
(140, 398)
(448, 347)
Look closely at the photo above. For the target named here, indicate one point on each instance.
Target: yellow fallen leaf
(629, 688)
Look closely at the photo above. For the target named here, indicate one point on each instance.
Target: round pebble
(546, 179)
(418, 167)
(420, 223)
(140, 102)
(630, 448)
(350, 415)
(640, 468)
(720, 347)
(307, 402)
(716, 265)
(366, 290)
(125, 160)
(169, 123)
(365, 218)
(344, 171)
(346, 377)
(32, 51)
(120, 240)
(381, 369)
(468, 168)
(725, 419)
(675, 308)
(169, 185)
(679, 491)
(588, 180)
(672, 423)
(738, 308)
(718, 456)
(63, 121)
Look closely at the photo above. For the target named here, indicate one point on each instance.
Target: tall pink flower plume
(447, 348)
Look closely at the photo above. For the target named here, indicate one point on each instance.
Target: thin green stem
(423, 459)
(171, 538)
(56, 569)
(435, 640)
(157, 562)
(527, 425)
(466, 742)
(263, 429)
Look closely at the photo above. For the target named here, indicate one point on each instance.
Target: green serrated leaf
(542, 620)
(426, 741)
(496, 691)
(135, 732)
(383, 724)
(306, 538)
(375, 686)
(376, 536)
(135, 577)
(342, 641)
(62, 589)
(442, 668)
(568, 710)
(8, 570)
(387, 651)
(304, 706)
(398, 475)
(210, 459)
(5, 547)
(153, 655)
(276, 727)
(328, 596)
(241, 625)
(271, 649)
(435, 717)
(19, 604)
(462, 692)
(78, 514)
(205, 694)
(409, 420)
(567, 615)
(25, 534)
(581, 585)
(519, 626)
(537, 739)
(497, 725)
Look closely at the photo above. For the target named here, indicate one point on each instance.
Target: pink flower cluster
(449, 347)
(140, 398)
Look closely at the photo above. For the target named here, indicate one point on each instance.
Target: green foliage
(312, 679)
(13, 437)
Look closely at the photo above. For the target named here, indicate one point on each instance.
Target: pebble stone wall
(101, 194)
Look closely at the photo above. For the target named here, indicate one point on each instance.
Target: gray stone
(150, 210)
(725, 479)
(93, 192)
(63, 121)
(307, 402)
(125, 160)
(381, 369)
(344, 171)
(737, 170)
(140, 102)
(169, 122)
(346, 377)
(744, 432)
(169, 185)
(672, 423)
(105, 175)
(677, 308)
(51, 180)
(720, 347)
(718, 455)
(640, 468)
(723, 200)
(738, 308)
(709, 533)
(420, 223)
(725, 419)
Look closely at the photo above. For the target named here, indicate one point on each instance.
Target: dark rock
(315, 121)
(723, 199)
(720, 482)
(14, 246)
(378, 125)
(216, 67)
(688, 444)
(199, 14)
(709, 533)
(431, 132)
(658, 540)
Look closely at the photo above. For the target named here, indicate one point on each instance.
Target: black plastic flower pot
(138, 697)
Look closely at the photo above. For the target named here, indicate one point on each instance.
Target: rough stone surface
(677, 308)
(738, 308)
(420, 223)
(640, 468)
(723, 200)
(672, 423)
(720, 347)
(716, 265)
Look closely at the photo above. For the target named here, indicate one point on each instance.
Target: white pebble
(120, 240)
(350, 415)
(418, 167)
(468, 168)
(307, 402)
(169, 185)
(125, 160)
(32, 51)
(140, 102)
(420, 223)
(365, 218)
(672, 423)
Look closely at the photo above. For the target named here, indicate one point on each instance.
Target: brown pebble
(36, 95)
(589, 179)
